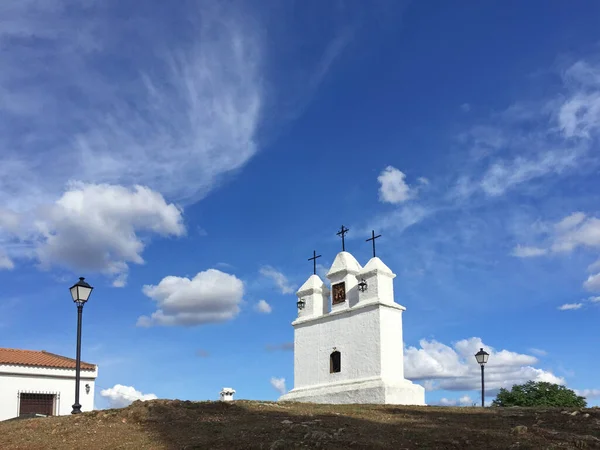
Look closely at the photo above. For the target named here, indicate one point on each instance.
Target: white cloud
(120, 396)
(503, 175)
(279, 385)
(455, 368)
(579, 115)
(465, 400)
(278, 278)
(5, 262)
(539, 140)
(570, 306)
(574, 231)
(521, 251)
(592, 283)
(594, 299)
(263, 307)
(183, 115)
(577, 230)
(211, 296)
(398, 220)
(393, 188)
(538, 351)
(588, 393)
(98, 228)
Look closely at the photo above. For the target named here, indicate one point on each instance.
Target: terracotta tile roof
(16, 357)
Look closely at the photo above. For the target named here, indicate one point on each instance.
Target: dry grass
(174, 424)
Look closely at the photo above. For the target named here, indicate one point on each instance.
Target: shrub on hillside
(539, 393)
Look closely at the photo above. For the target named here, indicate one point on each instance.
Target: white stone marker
(227, 394)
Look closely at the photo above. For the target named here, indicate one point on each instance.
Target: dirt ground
(174, 424)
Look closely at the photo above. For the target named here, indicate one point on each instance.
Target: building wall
(15, 379)
(392, 351)
(355, 333)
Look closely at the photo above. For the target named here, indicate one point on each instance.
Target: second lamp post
(482, 358)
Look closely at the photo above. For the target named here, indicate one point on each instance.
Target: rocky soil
(174, 424)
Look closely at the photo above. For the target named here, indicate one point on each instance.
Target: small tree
(539, 393)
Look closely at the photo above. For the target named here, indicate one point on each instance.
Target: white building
(348, 347)
(43, 383)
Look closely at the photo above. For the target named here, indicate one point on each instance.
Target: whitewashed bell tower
(348, 345)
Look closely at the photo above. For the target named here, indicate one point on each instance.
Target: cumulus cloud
(279, 385)
(393, 188)
(454, 368)
(120, 396)
(278, 278)
(211, 296)
(570, 306)
(263, 307)
(588, 393)
(99, 228)
(465, 400)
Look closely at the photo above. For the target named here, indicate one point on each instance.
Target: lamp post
(482, 358)
(80, 292)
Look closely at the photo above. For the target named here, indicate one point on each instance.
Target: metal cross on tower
(372, 238)
(314, 260)
(342, 233)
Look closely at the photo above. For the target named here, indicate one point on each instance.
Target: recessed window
(335, 362)
(36, 404)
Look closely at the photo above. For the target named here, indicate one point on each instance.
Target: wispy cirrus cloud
(91, 97)
(279, 279)
(577, 230)
(535, 140)
(570, 306)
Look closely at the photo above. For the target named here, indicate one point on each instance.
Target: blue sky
(188, 159)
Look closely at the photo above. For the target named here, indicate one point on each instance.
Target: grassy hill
(174, 424)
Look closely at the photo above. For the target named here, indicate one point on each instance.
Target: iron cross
(372, 238)
(342, 233)
(314, 260)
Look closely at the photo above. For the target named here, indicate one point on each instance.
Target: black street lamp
(482, 358)
(80, 292)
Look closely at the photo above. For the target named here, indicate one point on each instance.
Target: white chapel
(348, 345)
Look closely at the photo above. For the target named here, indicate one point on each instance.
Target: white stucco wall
(368, 337)
(366, 329)
(392, 351)
(15, 379)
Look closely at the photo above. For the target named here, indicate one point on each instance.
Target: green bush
(539, 394)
